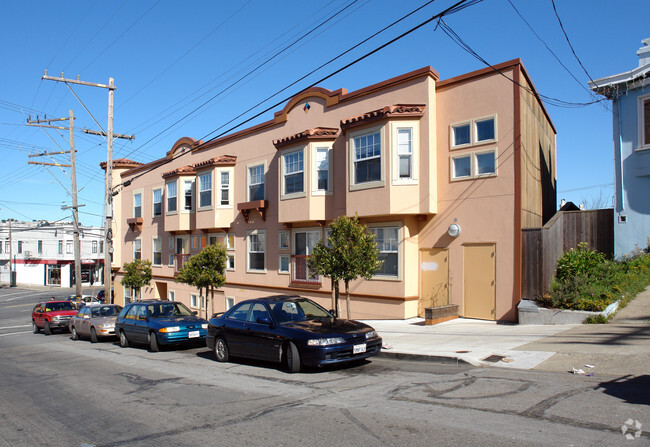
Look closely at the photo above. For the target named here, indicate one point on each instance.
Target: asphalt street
(56, 391)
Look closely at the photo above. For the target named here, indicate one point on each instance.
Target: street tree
(205, 271)
(350, 252)
(137, 274)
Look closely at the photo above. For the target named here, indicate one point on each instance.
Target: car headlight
(107, 326)
(325, 341)
(204, 326)
(170, 329)
(56, 318)
(371, 334)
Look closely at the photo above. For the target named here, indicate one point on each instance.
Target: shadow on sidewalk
(631, 389)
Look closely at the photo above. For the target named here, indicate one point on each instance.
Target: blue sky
(188, 68)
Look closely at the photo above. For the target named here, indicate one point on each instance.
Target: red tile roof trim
(318, 133)
(121, 163)
(399, 110)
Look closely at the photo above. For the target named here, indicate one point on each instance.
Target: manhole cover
(494, 358)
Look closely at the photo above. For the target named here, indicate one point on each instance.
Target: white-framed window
(20, 246)
(405, 137)
(172, 202)
(101, 246)
(68, 247)
(474, 164)
(256, 182)
(157, 202)
(283, 240)
(293, 174)
(127, 295)
(194, 301)
(644, 122)
(170, 247)
(230, 261)
(387, 238)
(60, 247)
(367, 158)
(322, 180)
(157, 251)
(171, 295)
(93, 247)
(226, 239)
(283, 264)
(256, 250)
(224, 188)
(205, 190)
(230, 301)
(137, 205)
(188, 194)
(137, 249)
(40, 247)
(476, 131)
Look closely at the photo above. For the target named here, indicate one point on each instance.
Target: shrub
(577, 262)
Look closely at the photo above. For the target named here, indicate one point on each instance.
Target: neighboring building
(445, 173)
(630, 95)
(43, 253)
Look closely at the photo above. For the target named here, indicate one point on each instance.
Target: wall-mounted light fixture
(453, 230)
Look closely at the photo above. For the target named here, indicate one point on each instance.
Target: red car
(52, 315)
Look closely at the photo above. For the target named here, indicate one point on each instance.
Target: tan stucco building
(446, 173)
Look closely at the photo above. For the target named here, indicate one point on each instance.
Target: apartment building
(42, 253)
(445, 173)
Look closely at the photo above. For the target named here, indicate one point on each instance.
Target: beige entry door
(434, 278)
(479, 283)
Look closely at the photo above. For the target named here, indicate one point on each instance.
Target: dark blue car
(159, 323)
(291, 330)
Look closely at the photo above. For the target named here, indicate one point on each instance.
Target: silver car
(95, 321)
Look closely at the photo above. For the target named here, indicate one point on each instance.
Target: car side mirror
(194, 312)
(86, 317)
(264, 320)
(332, 313)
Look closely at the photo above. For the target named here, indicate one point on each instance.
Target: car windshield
(49, 307)
(105, 311)
(298, 310)
(167, 310)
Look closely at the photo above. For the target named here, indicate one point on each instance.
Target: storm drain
(494, 358)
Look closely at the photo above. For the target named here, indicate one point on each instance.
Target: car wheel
(75, 334)
(124, 342)
(35, 328)
(293, 358)
(153, 342)
(221, 350)
(47, 329)
(93, 335)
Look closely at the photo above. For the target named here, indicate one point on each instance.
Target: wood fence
(542, 247)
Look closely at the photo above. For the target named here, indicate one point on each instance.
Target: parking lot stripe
(15, 333)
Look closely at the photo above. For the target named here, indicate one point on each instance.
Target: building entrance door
(479, 283)
(434, 279)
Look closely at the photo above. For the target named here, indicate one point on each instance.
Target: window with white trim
(188, 194)
(387, 239)
(137, 249)
(322, 170)
(257, 250)
(93, 247)
(60, 247)
(157, 202)
(644, 122)
(473, 165)
(283, 240)
(293, 173)
(171, 295)
(137, 205)
(230, 301)
(170, 247)
(405, 152)
(283, 264)
(224, 188)
(194, 300)
(476, 131)
(171, 197)
(205, 190)
(366, 158)
(157, 251)
(68, 247)
(230, 262)
(256, 182)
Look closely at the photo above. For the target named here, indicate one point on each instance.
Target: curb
(450, 360)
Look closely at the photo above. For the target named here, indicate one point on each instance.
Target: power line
(456, 7)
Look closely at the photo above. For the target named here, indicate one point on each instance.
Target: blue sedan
(159, 323)
(291, 330)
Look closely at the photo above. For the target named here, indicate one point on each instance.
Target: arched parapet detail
(330, 97)
(181, 144)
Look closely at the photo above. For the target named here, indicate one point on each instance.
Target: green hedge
(586, 280)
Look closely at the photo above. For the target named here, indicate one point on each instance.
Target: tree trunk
(337, 301)
(347, 298)
(333, 296)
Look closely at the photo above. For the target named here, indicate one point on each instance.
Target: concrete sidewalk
(618, 348)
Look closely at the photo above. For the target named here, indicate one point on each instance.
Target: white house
(42, 253)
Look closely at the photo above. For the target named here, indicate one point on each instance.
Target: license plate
(358, 349)
(193, 334)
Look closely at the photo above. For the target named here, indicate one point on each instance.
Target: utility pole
(73, 179)
(12, 276)
(108, 229)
